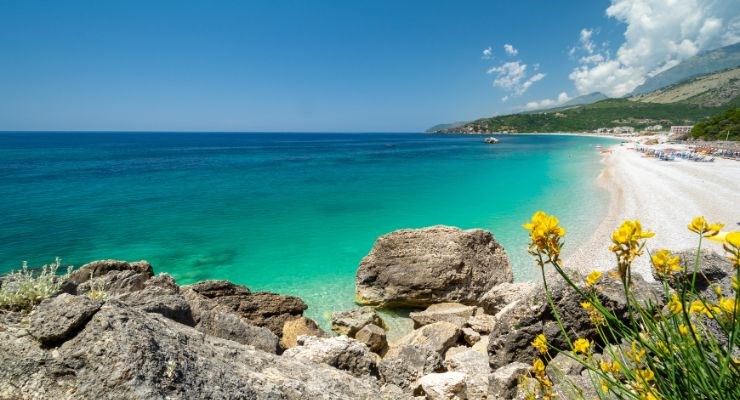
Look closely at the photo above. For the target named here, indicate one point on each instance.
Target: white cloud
(512, 76)
(547, 103)
(659, 34)
(487, 53)
(510, 50)
(505, 99)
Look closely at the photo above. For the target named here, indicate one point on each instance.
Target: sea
(292, 213)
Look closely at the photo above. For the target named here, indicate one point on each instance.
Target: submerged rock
(419, 267)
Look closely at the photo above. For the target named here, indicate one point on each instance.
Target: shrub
(686, 350)
(23, 289)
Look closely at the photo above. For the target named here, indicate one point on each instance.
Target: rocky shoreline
(116, 330)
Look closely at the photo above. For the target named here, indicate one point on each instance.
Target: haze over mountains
(697, 88)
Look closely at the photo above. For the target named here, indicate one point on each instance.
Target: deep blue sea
(291, 213)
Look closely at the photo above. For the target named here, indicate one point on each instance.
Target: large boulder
(454, 313)
(160, 295)
(340, 352)
(124, 353)
(419, 267)
(438, 336)
(349, 322)
(503, 382)
(112, 276)
(712, 270)
(268, 310)
(403, 365)
(58, 318)
(519, 323)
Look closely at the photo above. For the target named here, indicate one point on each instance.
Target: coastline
(665, 197)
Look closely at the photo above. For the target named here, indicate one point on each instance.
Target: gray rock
(561, 365)
(374, 338)
(504, 381)
(438, 336)
(481, 323)
(419, 267)
(268, 310)
(518, 324)
(444, 386)
(221, 321)
(57, 319)
(403, 365)
(482, 345)
(454, 313)
(471, 337)
(713, 269)
(350, 322)
(113, 276)
(124, 353)
(505, 293)
(340, 352)
(292, 329)
(160, 295)
(476, 369)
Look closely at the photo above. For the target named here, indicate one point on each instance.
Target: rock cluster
(119, 331)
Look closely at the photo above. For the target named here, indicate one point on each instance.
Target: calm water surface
(291, 213)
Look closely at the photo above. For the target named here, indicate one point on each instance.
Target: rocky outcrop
(350, 322)
(115, 276)
(340, 352)
(57, 319)
(264, 309)
(160, 295)
(518, 323)
(125, 353)
(420, 267)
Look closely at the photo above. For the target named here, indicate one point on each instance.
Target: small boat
(491, 140)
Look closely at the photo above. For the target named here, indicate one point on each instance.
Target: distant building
(654, 128)
(676, 129)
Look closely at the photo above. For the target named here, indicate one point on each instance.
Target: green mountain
(451, 125)
(719, 127)
(584, 99)
(700, 64)
(686, 103)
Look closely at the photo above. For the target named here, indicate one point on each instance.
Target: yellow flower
(604, 386)
(545, 234)
(727, 305)
(630, 231)
(635, 355)
(665, 264)
(683, 330)
(675, 305)
(703, 307)
(581, 345)
(614, 367)
(540, 343)
(647, 375)
(700, 226)
(538, 366)
(627, 245)
(593, 277)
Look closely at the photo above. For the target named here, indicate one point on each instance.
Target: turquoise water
(291, 213)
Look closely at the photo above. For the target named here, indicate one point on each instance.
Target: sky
(331, 66)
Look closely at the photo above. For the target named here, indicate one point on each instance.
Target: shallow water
(291, 213)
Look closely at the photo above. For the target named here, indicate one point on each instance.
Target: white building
(681, 129)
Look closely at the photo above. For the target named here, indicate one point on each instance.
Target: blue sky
(354, 66)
